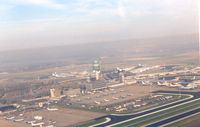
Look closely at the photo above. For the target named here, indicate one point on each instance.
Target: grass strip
(166, 115)
(158, 113)
(186, 121)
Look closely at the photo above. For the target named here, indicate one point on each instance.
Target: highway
(119, 119)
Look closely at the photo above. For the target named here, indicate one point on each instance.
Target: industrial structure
(96, 69)
(54, 93)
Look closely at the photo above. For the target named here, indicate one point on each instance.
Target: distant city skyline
(43, 23)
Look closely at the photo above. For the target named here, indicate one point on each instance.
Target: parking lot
(113, 97)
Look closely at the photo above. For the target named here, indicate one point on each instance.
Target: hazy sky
(33, 23)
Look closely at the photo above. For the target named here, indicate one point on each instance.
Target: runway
(119, 119)
(174, 118)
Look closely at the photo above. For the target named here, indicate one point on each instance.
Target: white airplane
(10, 118)
(97, 102)
(37, 124)
(61, 75)
(106, 100)
(175, 85)
(29, 122)
(115, 98)
(143, 83)
(161, 84)
(137, 106)
(188, 87)
(52, 109)
(18, 120)
(168, 97)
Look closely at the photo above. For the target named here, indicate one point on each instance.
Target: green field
(185, 122)
(160, 115)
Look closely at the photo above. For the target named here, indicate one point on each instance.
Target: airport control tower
(96, 69)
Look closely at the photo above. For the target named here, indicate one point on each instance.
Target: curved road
(116, 119)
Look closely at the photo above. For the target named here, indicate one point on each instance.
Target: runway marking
(107, 120)
(156, 118)
(180, 119)
(170, 117)
(190, 96)
(151, 113)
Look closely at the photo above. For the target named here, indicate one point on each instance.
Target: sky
(43, 23)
